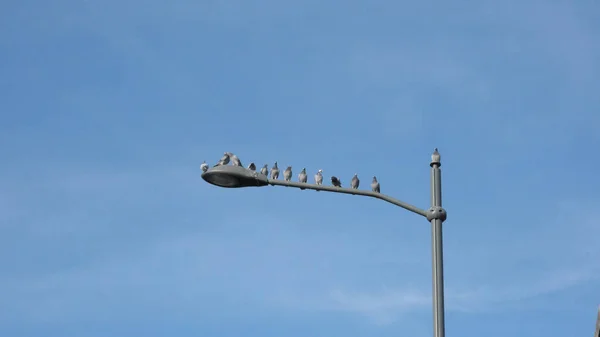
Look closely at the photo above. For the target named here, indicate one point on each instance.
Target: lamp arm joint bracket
(436, 213)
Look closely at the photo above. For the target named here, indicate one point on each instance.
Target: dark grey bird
(204, 166)
(275, 171)
(335, 181)
(287, 174)
(252, 167)
(319, 177)
(234, 159)
(265, 170)
(224, 160)
(302, 177)
(355, 182)
(375, 185)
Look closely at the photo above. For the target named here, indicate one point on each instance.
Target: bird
(375, 185)
(265, 170)
(234, 159)
(287, 174)
(252, 167)
(224, 160)
(335, 181)
(355, 182)
(275, 171)
(435, 157)
(204, 166)
(319, 177)
(302, 177)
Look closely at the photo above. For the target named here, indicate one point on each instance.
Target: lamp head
(234, 177)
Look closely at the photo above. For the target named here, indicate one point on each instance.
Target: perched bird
(265, 170)
(287, 174)
(435, 157)
(375, 185)
(275, 171)
(355, 182)
(302, 177)
(252, 167)
(335, 181)
(235, 160)
(204, 166)
(319, 177)
(224, 160)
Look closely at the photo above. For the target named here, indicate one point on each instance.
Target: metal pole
(437, 217)
(597, 333)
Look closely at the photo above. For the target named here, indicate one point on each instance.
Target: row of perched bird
(287, 173)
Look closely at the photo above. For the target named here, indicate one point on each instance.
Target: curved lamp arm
(236, 177)
(334, 189)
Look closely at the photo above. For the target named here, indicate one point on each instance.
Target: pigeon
(287, 174)
(204, 166)
(252, 167)
(435, 157)
(335, 181)
(224, 160)
(275, 171)
(355, 182)
(302, 177)
(265, 170)
(234, 159)
(375, 185)
(319, 178)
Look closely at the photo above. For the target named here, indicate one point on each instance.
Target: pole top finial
(435, 158)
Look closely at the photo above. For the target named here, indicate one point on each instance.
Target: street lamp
(237, 176)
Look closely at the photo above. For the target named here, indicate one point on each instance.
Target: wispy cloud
(382, 308)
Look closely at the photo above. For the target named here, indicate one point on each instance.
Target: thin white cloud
(384, 307)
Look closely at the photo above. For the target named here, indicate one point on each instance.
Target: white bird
(287, 174)
(224, 160)
(302, 177)
(375, 185)
(319, 177)
(235, 160)
(435, 157)
(355, 182)
(335, 181)
(252, 167)
(204, 166)
(275, 171)
(265, 170)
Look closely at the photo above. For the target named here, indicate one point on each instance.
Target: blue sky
(108, 108)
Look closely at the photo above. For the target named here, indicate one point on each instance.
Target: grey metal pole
(597, 333)
(436, 217)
